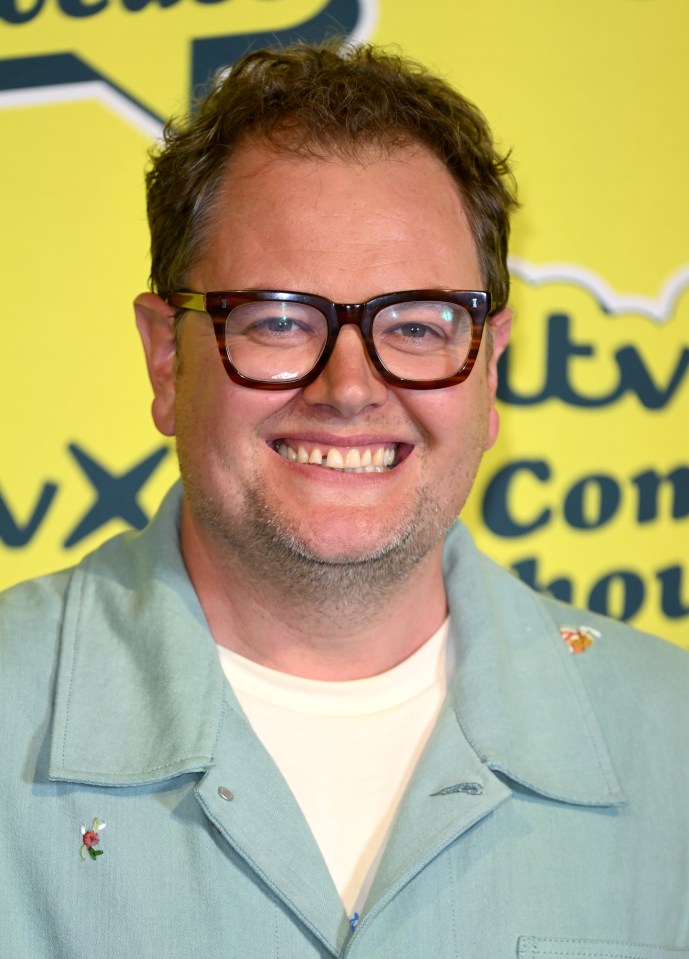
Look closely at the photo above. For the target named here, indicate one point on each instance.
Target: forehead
(376, 223)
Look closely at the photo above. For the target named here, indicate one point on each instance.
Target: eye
(421, 326)
(414, 331)
(275, 324)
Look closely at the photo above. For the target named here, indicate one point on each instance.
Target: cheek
(457, 420)
(219, 422)
(199, 404)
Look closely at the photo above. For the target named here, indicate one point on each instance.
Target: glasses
(276, 340)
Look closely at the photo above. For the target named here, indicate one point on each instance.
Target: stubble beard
(277, 552)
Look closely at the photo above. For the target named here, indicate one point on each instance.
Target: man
(297, 717)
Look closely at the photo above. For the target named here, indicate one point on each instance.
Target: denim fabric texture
(548, 816)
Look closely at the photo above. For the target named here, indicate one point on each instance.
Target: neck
(330, 622)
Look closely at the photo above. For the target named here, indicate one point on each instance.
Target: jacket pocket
(532, 947)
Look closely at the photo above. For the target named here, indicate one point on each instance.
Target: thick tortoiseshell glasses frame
(218, 305)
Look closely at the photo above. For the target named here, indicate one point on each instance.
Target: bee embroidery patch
(579, 638)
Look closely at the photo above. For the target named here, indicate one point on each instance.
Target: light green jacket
(548, 817)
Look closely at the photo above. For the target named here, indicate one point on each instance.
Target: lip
(339, 440)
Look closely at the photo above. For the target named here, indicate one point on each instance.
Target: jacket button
(225, 793)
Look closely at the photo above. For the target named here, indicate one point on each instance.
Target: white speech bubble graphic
(659, 310)
(91, 90)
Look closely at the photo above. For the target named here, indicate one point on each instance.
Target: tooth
(353, 461)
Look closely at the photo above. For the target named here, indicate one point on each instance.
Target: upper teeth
(369, 460)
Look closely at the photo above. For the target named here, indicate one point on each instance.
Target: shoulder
(31, 617)
(624, 670)
(616, 659)
(31, 612)
(629, 674)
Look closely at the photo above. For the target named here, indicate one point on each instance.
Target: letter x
(116, 495)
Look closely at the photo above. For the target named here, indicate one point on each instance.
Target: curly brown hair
(319, 101)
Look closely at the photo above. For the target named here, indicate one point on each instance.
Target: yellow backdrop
(587, 491)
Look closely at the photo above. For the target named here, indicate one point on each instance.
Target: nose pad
(350, 381)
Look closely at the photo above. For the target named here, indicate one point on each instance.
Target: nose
(349, 383)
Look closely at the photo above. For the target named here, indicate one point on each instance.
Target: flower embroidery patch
(579, 638)
(90, 839)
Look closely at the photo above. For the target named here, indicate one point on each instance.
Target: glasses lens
(423, 339)
(275, 340)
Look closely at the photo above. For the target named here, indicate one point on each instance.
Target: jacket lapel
(451, 791)
(247, 799)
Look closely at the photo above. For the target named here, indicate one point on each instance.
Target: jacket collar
(139, 691)
(517, 715)
(517, 691)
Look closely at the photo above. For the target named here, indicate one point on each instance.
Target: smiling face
(263, 471)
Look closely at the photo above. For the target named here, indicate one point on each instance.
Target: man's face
(348, 231)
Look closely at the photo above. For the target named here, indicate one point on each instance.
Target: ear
(499, 326)
(155, 320)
